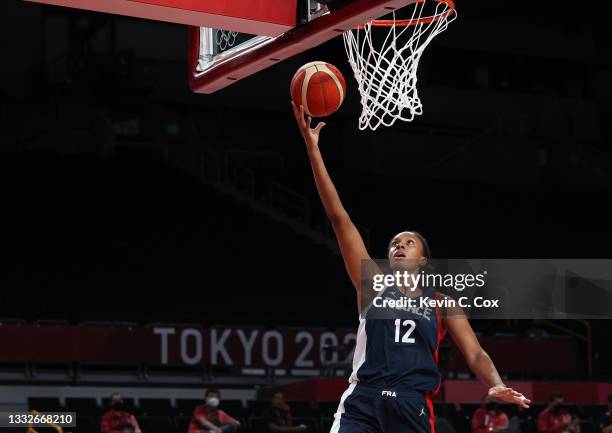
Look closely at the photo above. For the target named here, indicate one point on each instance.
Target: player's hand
(311, 135)
(508, 395)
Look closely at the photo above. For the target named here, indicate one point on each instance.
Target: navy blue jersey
(397, 347)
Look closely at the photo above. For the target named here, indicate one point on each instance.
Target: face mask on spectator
(212, 402)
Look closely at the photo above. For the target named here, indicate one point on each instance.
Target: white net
(225, 39)
(384, 56)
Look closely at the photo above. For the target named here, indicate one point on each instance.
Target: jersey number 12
(398, 328)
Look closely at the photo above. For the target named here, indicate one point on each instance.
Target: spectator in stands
(488, 418)
(556, 418)
(605, 422)
(277, 418)
(209, 418)
(117, 419)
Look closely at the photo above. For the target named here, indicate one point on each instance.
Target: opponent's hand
(508, 395)
(311, 135)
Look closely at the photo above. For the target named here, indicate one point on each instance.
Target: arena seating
(161, 416)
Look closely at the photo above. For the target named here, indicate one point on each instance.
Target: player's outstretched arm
(350, 241)
(480, 362)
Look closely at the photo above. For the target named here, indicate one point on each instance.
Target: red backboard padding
(281, 12)
(260, 17)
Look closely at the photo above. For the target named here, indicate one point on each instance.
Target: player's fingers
(319, 127)
(302, 121)
(520, 400)
(296, 112)
(308, 121)
(299, 117)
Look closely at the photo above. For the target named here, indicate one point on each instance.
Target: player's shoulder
(449, 305)
(439, 295)
(443, 299)
(443, 296)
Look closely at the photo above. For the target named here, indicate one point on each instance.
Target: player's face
(406, 252)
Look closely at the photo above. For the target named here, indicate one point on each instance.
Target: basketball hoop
(385, 66)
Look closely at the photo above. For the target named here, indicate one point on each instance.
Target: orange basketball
(319, 87)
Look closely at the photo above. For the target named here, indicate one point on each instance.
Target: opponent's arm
(350, 241)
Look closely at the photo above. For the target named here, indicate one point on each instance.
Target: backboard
(218, 57)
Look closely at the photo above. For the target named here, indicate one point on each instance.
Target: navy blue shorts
(368, 410)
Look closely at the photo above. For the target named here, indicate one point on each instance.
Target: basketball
(319, 87)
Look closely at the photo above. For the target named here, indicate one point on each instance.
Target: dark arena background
(159, 243)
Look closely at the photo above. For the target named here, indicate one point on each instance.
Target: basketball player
(395, 363)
